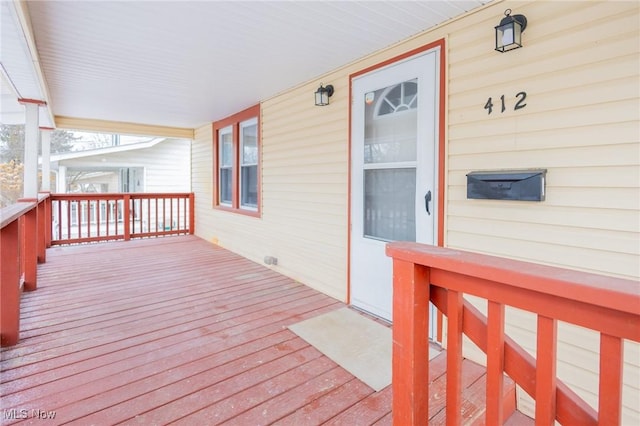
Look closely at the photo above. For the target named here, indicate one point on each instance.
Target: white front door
(394, 167)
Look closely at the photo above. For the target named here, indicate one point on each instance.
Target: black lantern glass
(509, 32)
(323, 94)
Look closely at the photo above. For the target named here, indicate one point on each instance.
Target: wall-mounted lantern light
(509, 31)
(323, 94)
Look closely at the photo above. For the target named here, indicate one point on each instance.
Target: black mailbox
(524, 185)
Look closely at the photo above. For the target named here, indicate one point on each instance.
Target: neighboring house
(567, 103)
(158, 165)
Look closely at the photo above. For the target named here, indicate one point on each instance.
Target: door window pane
(398, 98)
(389, 204)
(391, 121)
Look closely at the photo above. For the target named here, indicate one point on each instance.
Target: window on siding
(225, 176)
(249, 164)
(237, 161)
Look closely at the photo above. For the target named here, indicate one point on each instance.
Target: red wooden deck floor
(177, 330)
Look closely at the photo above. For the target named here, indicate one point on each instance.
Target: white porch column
(45, 135)
(31, 139)
(62, 180)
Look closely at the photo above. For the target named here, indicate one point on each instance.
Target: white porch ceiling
(19, 72)
(187, 63)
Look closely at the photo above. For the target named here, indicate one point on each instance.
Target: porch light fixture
(509, 32)
(323, 94)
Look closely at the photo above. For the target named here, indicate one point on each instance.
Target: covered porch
(175, 329)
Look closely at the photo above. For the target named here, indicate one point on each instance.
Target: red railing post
(192, 213)
(42, 240)
(127, 217)
(48, 221)
(454, 356)
(30, 245)
(546, 382)
(70, 203)
(611, 366)
(410, 371)
(9, 284)
(495, 362)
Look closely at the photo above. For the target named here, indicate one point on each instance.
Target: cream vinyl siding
(304, 171)
(579, 67)
(202, 181)
(580, 123)
(304, 182)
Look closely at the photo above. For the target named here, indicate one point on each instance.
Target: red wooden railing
(23, 242)
(610, 306)
(80, 218)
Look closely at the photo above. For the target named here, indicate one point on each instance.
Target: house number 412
(520, 103)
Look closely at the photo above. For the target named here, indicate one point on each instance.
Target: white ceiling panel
(186, 63)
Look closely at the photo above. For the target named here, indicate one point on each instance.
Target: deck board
(177, 330)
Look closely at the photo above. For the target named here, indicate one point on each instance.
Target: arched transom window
(398, 98)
